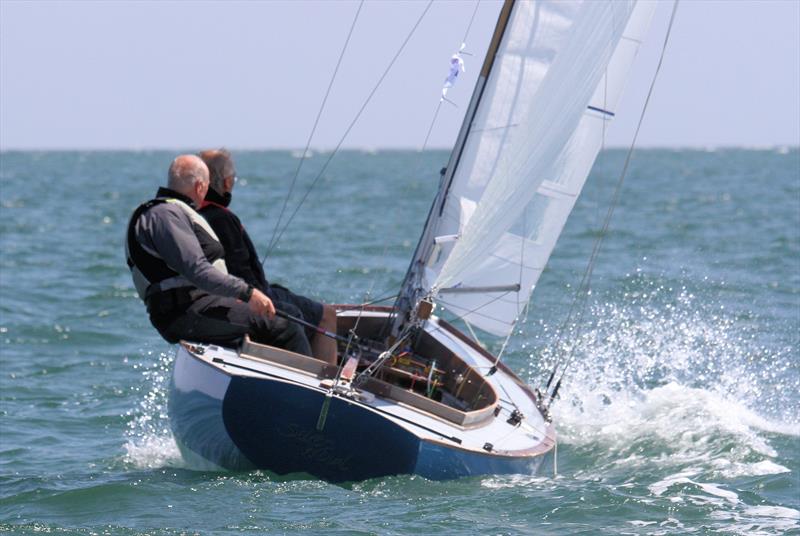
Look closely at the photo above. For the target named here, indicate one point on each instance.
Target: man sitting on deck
(178, 269)
(242, 258)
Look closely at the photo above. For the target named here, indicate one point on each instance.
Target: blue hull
(242, 423)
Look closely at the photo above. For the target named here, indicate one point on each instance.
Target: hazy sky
(252, 74)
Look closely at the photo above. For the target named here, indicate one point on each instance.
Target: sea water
(678, 412)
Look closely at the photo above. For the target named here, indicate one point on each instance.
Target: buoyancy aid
(150, 273)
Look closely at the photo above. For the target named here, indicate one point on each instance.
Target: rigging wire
(582, 296)
(471, 20)
(520, 309)
(439, 105)
(386, 246)
(371, 302)
(439, 327)
(386, 243)
(313, 130)
(349, 128)
(472, 332)
(582, 288)
(433, 122)
(275, 241)
(474, 310)
(430, 130)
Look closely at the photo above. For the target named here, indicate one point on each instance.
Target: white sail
(537, 129)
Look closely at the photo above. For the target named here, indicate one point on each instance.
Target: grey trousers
(225, 321)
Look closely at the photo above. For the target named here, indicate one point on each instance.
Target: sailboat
(411, 393)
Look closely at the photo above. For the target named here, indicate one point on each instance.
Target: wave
(149, 440)
(678, 376)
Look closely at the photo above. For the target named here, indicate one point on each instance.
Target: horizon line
(315, 150)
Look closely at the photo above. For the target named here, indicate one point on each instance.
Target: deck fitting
(516, 418)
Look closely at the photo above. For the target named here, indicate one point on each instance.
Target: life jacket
(150, 273)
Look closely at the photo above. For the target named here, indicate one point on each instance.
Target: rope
(582, 288)
(313, 130)
(349, 128)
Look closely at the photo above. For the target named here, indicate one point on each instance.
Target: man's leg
(224, 321)
(324, 316)
(323, 347)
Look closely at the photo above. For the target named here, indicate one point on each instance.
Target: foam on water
(514, 481)
(149, 441)
(661, 486)
(683, 424)
(662, 385)
(659, 365)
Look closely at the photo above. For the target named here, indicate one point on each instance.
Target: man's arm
(173, 238)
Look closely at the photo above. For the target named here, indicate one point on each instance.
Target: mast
(550, 82)
(411, 288)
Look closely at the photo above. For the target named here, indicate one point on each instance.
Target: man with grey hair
(242, 259)
(179, 271)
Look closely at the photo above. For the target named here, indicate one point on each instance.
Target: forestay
(536, 131)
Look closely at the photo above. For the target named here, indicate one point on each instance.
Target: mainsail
(551, 81)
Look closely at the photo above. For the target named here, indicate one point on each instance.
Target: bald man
(179, 271)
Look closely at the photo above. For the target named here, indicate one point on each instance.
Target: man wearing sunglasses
(242, 259)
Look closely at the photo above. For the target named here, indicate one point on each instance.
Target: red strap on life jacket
(207, 203)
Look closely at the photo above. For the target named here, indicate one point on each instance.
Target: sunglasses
(235, 178)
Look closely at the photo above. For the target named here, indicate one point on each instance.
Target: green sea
(678, 415)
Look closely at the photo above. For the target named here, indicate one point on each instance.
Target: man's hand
(260, 304)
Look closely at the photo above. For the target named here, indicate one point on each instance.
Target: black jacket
(240, 253)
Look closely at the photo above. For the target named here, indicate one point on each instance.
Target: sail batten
(552, 80)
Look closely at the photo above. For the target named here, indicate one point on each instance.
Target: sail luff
(497, 37)
(497, 197)
(410, 288)
(531, 144)
(486, 69)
